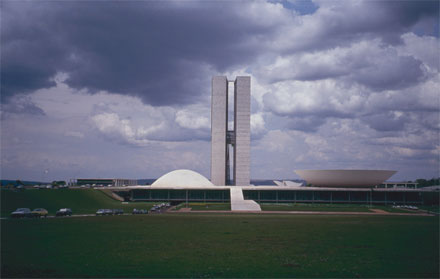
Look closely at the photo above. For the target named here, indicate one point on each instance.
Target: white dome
(182, 178)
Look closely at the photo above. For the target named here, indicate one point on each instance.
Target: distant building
(116, 182)
(401, 184)
(288, 183)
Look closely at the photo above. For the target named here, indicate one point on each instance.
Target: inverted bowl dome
(345, 178)
(182, 178)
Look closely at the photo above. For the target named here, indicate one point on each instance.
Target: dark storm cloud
(339, 23)
(398, 17)
(409, 12)
(20, 104)
(402, 72)
(385, 122)
(164, 54)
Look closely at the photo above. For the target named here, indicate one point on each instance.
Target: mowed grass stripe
(214, 245)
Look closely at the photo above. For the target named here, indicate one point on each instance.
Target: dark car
(140, 211)
(21, 213)
(157, 207)
(64, 212)
(118, 211)
(102, 212)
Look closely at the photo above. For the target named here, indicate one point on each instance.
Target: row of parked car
(49, 186)
(102, 212)
(41, 212)
(159, 207)
(139, 211)
(38, 213)
(406, 207)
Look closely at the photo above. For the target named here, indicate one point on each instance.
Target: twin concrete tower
(225, 141)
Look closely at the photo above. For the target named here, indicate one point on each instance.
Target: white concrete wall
(242, 127)
(238, 203)
(219, 122)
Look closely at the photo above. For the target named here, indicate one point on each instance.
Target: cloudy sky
(122, 88)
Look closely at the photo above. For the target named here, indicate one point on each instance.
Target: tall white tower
(238, 138)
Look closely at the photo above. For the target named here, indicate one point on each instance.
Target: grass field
(205, 206)
(313, 207)
(81, 201)
(329, 207)
(216, 245)
(431, 208)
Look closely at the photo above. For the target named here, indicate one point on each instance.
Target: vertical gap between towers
(231, 90)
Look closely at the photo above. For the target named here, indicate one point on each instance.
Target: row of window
(280, 196)
(333, 196)
(199, 195)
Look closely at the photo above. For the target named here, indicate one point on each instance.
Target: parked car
(64, 212)
(21, 213)
(39, 212)
(140, 211)
(102, 212)
(118, 211)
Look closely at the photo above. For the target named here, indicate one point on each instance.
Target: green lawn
(329, 207)
(391, 209)
(431, 208)
(205, 206)
(313, 207)
(81, 201)
(221, 245)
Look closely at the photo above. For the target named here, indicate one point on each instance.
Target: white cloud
(192, 119)
(111, 125)
(302, 98)
(424, 48)
(257, 124)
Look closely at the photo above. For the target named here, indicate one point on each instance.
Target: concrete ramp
(238, 203)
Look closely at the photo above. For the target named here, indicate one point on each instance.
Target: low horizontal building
(275, 194)
(189, 186)
(115, 182)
